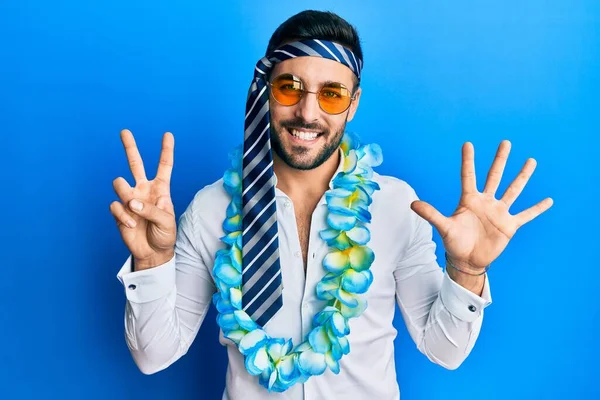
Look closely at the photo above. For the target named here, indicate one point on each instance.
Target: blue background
(437, 74)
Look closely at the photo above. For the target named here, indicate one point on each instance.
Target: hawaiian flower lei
(274, 360)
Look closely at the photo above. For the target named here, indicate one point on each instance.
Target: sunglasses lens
(287, 90)
(335, 99)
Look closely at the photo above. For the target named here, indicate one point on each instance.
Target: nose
(308, 107)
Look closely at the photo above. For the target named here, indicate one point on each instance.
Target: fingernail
(131, 223)
(136, 205)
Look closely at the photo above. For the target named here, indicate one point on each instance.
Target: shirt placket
(314, 272)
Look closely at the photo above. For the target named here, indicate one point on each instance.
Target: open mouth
(303, 135)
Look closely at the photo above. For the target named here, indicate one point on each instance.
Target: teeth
(304, 135)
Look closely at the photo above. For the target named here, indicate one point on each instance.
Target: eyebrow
(332, 83)
(328, 83)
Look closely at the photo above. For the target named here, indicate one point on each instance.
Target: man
(306, 242)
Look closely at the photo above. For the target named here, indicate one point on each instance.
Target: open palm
(481, 226)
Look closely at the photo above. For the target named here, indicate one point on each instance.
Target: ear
(354, 105)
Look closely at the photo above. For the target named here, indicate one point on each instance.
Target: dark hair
(311, 24)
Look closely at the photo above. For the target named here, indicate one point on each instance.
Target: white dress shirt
(166, 305)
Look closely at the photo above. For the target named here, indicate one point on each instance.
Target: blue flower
(235, 157)
(235, 297)
(253, 341)
(232, 180)
(287, 371)
(339, 219)
(227, 322)
(268, 377)
(347, 205)
(311, 362)
(226, 272)
(257, 361)
(372, 155)
(319, 340)
(349, 141)
(277, 348)
(245, 321)
(338, 325)
(332, 363)
(359, 235)
(222, 304)
(355, 311)
(235, 335)
(324, 315)
(335, 238)
(357, 282)
(358, 258)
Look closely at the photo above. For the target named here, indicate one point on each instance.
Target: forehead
(314, 70)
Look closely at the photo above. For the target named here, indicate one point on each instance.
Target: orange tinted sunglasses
(333, 97)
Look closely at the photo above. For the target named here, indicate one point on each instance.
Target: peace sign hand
(481, 226)
(149, 232)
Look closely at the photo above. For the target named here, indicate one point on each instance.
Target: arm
(443, 318)
(444, 312)
(166, 304)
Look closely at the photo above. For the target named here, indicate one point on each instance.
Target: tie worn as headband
(261, 274)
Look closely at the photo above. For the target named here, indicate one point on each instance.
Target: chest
(303, 214)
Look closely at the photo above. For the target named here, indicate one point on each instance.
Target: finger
(430, 214)
(516, 187)
(165, 164)
(123, 189)
(136, 165)
(533, 212)
(150, 212)
(467, 174)
(122, 217)
(495, 174)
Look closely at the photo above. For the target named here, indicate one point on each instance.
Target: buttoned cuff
(462, 303)
(148, 284)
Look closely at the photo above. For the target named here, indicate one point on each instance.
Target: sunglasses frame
(304, 92)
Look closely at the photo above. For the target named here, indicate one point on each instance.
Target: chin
(303, 157)
(298, 158)
(304, 149)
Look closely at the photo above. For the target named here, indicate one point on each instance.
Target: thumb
(431, 215)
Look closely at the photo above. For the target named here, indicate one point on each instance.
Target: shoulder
(394, 189)
(392, 202)
(395, 226)
(209, 201)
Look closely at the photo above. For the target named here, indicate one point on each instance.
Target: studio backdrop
(436, 74)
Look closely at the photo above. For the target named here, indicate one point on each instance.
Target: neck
(311, 183)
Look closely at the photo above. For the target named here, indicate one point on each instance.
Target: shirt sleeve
(443, 318)
(166, 305)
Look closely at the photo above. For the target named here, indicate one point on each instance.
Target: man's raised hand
(149, 232)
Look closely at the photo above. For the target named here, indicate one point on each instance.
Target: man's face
(291, 124)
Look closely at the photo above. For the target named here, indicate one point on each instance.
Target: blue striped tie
(261, 272)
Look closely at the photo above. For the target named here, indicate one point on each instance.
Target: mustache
(299, 123)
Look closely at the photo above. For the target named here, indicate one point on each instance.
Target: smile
(304, 135)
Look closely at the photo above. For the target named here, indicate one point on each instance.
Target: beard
(297, 156)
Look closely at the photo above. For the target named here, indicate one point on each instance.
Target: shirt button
(305, 306)
(287, 204)
(298, 254)
(472, 308)
(132, 286)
